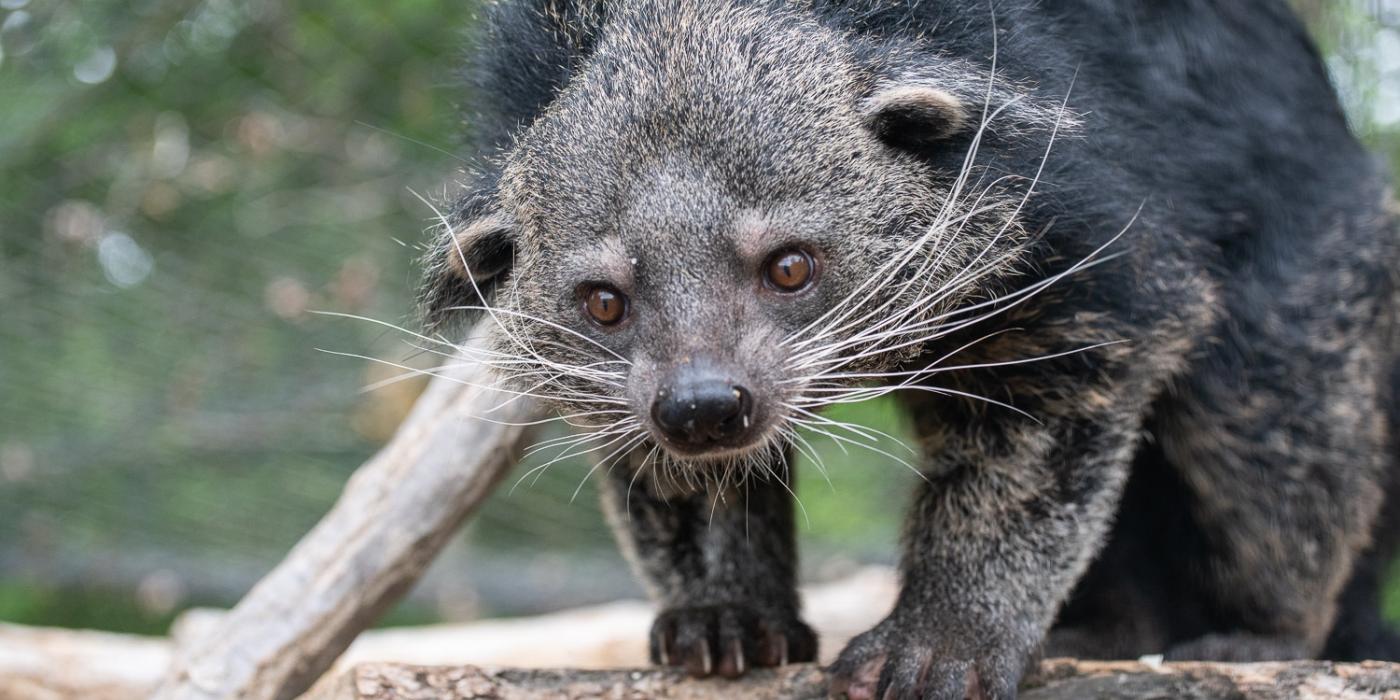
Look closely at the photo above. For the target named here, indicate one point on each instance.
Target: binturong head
(727, 218)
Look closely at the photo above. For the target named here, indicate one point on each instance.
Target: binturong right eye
(790, 270)
(605, 305)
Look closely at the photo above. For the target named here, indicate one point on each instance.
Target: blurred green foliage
(181, 185)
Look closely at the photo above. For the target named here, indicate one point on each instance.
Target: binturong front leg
(721, 566)
(1010, 514)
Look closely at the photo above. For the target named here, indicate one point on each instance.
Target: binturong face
(728, 219)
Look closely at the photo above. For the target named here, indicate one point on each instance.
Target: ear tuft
(482, 249)
(465, 266)
(914, 116)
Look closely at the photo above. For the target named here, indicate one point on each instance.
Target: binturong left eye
(790, 270)
(605, 305)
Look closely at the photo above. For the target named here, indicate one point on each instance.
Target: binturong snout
(699, 408)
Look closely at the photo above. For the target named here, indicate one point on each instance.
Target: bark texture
(1057, 679)
(52, 664)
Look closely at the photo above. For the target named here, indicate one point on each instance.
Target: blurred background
(182, 185)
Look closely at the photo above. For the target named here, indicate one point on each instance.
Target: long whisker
(650, 458)
(619, 426)
(914, 375)
(1000, 304)
(872, 434)
(816, 427)
(609, 460)
(801, 444)
(430, 373)
(567, 453)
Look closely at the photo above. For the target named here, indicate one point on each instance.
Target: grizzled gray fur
(1122, 260)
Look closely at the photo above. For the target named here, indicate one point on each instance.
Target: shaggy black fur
(1223, 485)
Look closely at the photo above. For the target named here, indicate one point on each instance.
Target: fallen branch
(59, 664)
(1058, 679)
(395, 515)
(421, 663)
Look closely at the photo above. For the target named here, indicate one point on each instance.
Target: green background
(181, 185)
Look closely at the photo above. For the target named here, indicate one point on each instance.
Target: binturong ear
(914, 116)
(465, 266)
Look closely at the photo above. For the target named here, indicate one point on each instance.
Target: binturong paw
(891, 662)
(727, 640)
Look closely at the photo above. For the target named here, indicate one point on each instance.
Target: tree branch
(394, 516)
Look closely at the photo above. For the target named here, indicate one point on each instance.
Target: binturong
(1122, 262)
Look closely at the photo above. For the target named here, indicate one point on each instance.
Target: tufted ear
(466, 265)
(914, 116)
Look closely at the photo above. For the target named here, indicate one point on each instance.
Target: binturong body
(1123, 261)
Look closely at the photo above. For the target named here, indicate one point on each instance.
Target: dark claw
(888, 663)
(728, 640)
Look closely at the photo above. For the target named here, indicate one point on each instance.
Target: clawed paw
(728, 640)
(889, 664)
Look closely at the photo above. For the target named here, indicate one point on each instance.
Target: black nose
(702, 411)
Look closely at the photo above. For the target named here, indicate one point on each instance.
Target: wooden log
(42, 663)
(394, 516)
(62, 664)
(52, 664)
(1057, 679)
(608, 635)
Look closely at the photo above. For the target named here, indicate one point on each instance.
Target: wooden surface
(394, 516)
(59, 664)
(38, 663)
(1057, 679)
(428, 662)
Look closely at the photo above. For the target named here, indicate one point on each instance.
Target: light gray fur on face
(699, 138)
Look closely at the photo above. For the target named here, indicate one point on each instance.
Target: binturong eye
(790, 270)
(605, 305)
